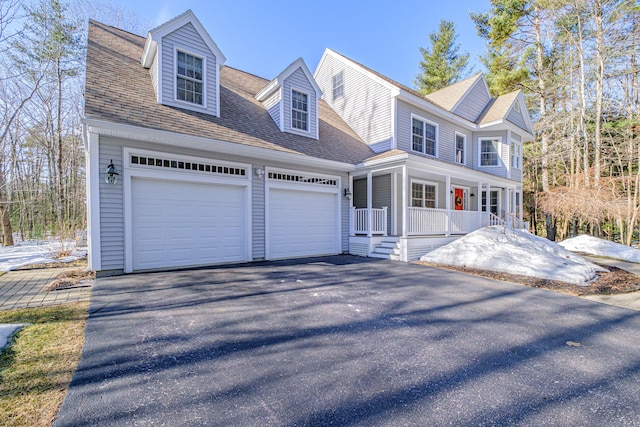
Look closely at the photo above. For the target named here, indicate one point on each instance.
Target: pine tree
(442, 65)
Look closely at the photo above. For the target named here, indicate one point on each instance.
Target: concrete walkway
(26, 289)
(629, 300)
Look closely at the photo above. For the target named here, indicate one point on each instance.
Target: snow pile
(594, 246)
(515, 252)
(12, 257)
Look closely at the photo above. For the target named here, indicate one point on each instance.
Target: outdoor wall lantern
(111, 174)
(347, 194)
(472, 195)
(259, 172)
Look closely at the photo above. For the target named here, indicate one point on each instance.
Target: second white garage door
(178, 224)
(302, 223)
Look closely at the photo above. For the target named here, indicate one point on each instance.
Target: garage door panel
(182, 223)
(302, 223)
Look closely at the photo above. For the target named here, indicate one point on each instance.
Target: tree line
(42, 165)
(577, 64)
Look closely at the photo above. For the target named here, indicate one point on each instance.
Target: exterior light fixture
(259, 172)
(111, 174)
(347, 194)
(472, 195)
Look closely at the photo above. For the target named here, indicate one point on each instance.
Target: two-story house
(447, 163)
(191, 162)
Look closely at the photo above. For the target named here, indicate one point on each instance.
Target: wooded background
(576, 61)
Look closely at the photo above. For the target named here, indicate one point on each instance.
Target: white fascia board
(277, 82)
(149, 52)
(457, 171)
(505, 125)
(268, 90)
(183, 19)
(432, 108)
(524, 111)
(211, 145)
(383, 161)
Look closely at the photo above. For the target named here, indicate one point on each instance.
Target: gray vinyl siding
(188, 39)
(298, 81)
(111, 208)
(366, 105)
(258, 222)
(360, 193)
(501, 169)
(446, 142)
(272, 104)
(474, 102)
(517, 119)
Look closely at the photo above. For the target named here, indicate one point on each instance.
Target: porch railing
(513, 221)
(360, 221)
(425, 221)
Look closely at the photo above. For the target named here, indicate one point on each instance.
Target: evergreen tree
(442, 65)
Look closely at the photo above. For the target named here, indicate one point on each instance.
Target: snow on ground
(599, 247)
(6, 330)
(12, 257)
(516, 252)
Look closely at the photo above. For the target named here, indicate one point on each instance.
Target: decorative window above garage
(292, 100)
(184, 64)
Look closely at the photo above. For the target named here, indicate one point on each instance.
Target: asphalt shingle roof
(118, 89)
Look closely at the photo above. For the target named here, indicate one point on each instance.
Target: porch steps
(389, 248)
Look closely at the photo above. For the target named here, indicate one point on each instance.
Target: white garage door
(178, 224)
(302, 223)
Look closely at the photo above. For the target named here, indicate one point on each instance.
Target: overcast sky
(264, 37)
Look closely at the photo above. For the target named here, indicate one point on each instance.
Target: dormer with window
(292, 100)
(184, 64)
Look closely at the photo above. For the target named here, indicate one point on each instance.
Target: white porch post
(488, 198)
(405, 201)
(479, 197)
(520, 208)
(369, 203)
(512, 191)
(447, 204)
(351, 210)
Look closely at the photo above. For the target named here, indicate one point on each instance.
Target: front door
(458, 199)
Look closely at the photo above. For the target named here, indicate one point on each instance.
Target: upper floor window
(338, 85)
(423, 195)
(461, 141)
(489, 152)
(515, 155)
(424, 136)
(190, 78)
(299, 110)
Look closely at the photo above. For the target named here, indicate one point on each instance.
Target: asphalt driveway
(350, 341)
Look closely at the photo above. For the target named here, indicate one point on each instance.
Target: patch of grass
(72, 279)
(56, 264)
(36, 369)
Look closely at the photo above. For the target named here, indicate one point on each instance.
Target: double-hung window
(299, 110)
(423, 195)
(424, 135)
(489, 152)
(190, 78)
(515, 155)
(338, 85)
(461, 141)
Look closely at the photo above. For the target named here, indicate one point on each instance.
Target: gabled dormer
(292, 100)
(466, 98)
(184, 63)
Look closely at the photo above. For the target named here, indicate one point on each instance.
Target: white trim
(308, 95)
(394, 205)
(498, 150)
(218, 89)
(178, 140)
(298, 186)
(160, 76)
(464, 151)
(466, 191)
(179, 21)
(278, 82)
(93, 175)
(424, 136)
(187, 104)
(423, 182)
(169, 175)
(394, 122)
(466, 93)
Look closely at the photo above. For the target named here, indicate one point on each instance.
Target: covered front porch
(402, 211)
